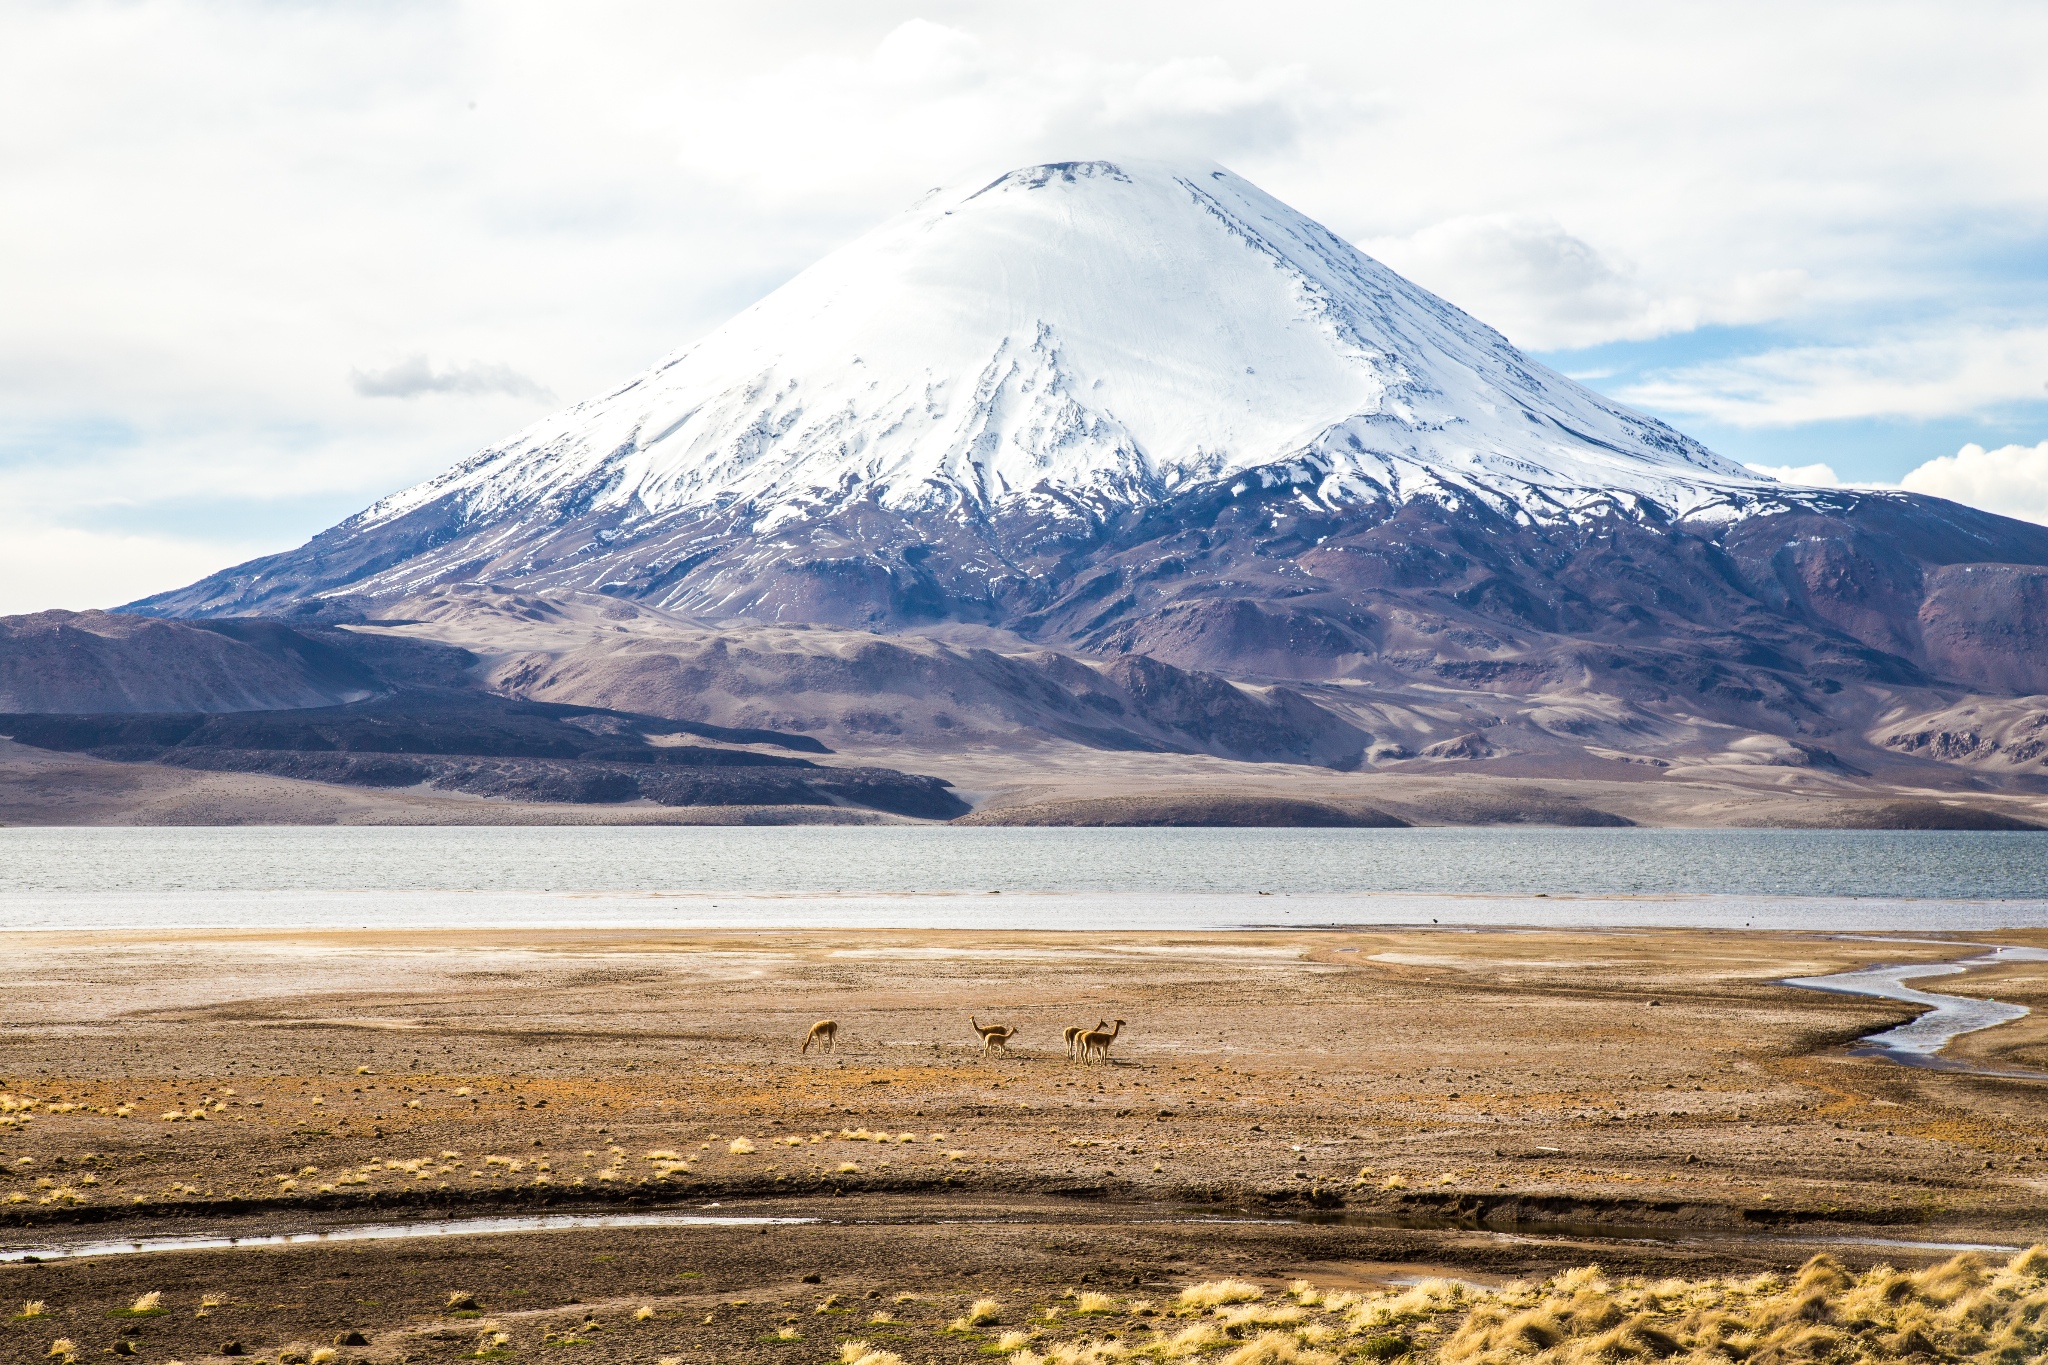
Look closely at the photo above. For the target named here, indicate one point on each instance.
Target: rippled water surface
(1937, 864)
(918, 877)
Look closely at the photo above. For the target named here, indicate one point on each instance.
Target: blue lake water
(272, 877)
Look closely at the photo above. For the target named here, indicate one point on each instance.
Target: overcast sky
(261, 263)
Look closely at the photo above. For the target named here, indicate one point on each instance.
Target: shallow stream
(1526, 1232)
(1919, 1042)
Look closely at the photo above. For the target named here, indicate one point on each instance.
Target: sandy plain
(1348, 1108)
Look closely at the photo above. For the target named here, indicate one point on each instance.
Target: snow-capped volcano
(1129, 408)
(1115, 332)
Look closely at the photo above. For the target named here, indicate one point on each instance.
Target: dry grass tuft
(980, 1313)
(32, 1309)
(1966, 1310)
(63, 1348)
(740, 1147)
(643, 1313)
(1088, 1301)
(1277, 1348)
(152, 1302)
(861, 1353)
(1259, 1315)
(1213, 1292)
(1189, 1341)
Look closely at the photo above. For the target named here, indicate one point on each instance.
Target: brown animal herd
(1083, 1044)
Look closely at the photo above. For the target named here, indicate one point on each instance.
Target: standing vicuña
(1073, 1031)
(993, 1035)
(825, 1033)
(1096, 1042)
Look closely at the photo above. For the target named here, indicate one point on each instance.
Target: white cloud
(2011, 480)
(1959, 370)
(1805, 475)
(217, 210)
(1550, 290)
(929, 102)
(415, 375)
(45, 566)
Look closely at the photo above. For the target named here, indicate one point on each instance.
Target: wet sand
(1641, 1098)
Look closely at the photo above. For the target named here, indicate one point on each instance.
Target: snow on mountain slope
(1114, 332)
(1143, 409)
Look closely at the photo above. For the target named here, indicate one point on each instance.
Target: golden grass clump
(1960, 1310)
(980, 1313)
(1189, 1341)
(861, 1353)
(1277, 1348)
(1259, 1315)
(152, 1302)
(644, 1313)
(34, 1308)
(1964, 1310)
(1213, 1292)
(63, 1348)
(740, 1147)
(1088, 1301)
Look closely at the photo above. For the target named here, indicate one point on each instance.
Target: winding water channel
(1919, 1042)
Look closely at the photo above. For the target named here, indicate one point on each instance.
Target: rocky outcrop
(1997, 734)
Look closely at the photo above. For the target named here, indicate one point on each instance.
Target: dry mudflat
(1349, 1109)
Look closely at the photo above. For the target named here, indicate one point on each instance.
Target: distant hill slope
(96, 661)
